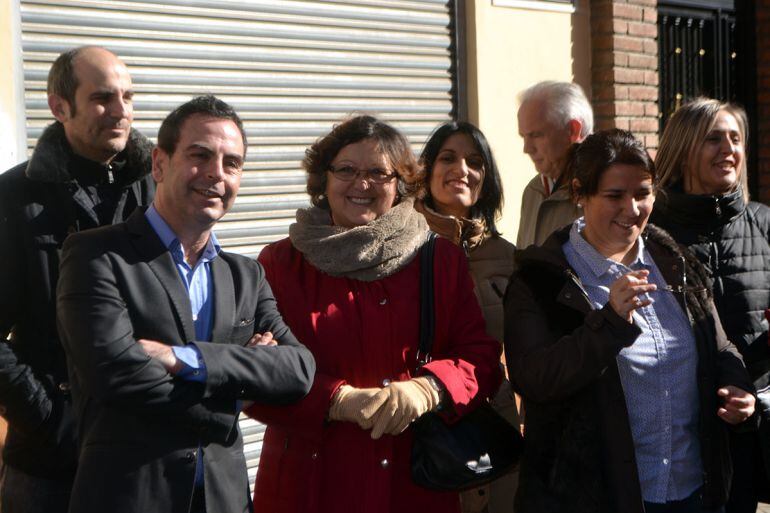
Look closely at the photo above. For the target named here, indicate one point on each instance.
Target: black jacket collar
(52, 157)
(696, 210)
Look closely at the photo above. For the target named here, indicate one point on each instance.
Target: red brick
(604, 26)
(651, 141)
(603, 76)
(651, 109)
(629, 44)
(642, 29)
(650, 46)
(651, 15)
(651, 78)
(644, 3)
(642, 61)
(609, 59)
(604, 109)
(643, 93)
(629, 108)
(628, 11)
(629, 76)
(608, 91)
(643, 125)
(621, 123)
(604, 42)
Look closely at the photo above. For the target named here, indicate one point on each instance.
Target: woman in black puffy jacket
(703, 203)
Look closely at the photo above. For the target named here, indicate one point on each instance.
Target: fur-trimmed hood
(52, 156)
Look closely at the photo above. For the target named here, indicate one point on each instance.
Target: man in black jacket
(89, 169)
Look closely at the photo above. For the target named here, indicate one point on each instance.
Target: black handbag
(476, 449)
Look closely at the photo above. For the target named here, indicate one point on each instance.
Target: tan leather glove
(398, 404)
(348, 402)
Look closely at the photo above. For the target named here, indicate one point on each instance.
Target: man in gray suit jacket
(167, 335)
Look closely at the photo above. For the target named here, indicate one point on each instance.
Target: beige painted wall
(509, 49)
(13, 141)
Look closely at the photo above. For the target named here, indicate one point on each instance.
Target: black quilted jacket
(732, 240)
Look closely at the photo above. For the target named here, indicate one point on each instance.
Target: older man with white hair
(552, 116)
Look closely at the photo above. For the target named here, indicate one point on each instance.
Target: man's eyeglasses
(350, 173)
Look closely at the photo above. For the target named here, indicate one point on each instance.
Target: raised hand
(625, 291)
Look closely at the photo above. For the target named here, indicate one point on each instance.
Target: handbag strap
(427, 309)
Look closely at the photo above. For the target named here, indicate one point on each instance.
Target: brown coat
(541, 215)
(579, 453)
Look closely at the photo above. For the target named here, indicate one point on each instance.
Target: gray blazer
(140, 428)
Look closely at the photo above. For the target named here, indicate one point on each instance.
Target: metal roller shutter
(290, 68)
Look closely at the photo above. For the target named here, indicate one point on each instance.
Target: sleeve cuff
(193, 366)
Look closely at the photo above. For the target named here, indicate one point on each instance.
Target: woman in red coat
(347, 283)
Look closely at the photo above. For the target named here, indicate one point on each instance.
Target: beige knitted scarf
(367, 253)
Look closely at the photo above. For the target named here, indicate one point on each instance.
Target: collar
(171, 241)
(461, 231)
(598, 263)
(53, 157)
(694, 209)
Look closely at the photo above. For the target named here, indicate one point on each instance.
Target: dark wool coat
(40, 205)
(561, 352)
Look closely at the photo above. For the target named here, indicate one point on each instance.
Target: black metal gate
(706, 48)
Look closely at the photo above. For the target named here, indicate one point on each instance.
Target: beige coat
(541, 215)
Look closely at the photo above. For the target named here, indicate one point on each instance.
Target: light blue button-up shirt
(200, 289)
(658, 374)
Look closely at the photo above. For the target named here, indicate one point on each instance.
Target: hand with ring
(625, 291)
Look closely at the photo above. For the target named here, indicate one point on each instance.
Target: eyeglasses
(350, 173)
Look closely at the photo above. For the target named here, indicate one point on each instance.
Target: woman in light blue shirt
(613, 341)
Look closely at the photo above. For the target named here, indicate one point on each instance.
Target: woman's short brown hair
(589, 159)
(392, 143)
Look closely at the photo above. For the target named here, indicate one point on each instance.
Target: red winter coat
(364, 333)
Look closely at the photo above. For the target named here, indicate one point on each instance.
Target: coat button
(384, 463)
(64, 386)
(314, 455)
(383, 302)
(385, 382)
(568, 295)
(190, 456)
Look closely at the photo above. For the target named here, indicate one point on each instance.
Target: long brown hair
(684, 136)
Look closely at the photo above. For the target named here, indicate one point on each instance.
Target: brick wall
(762, 138)
(624, 66)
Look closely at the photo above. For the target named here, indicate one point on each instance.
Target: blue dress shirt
(200, 289)
(657, 372)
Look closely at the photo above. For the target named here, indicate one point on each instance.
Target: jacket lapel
(224, 301)
(152, 250)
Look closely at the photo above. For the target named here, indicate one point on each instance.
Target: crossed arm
(113, 366)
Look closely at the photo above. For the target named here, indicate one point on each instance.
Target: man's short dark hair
(61, 78)
(207, 105)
